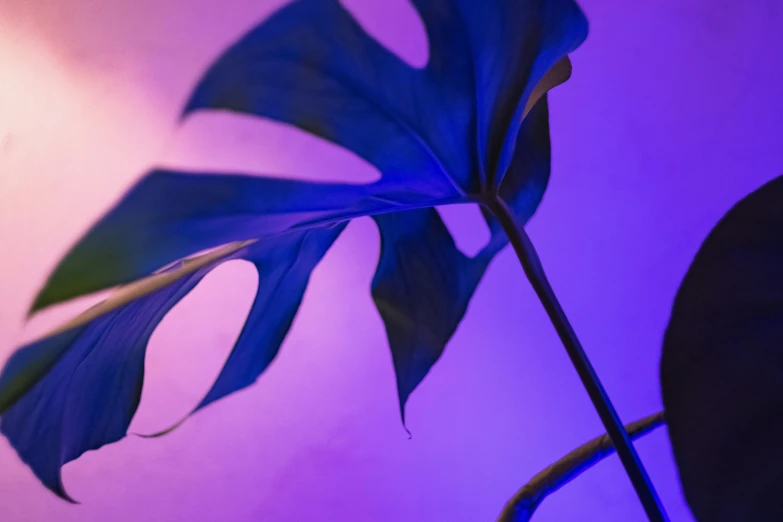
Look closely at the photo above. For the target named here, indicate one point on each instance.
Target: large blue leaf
(92, 389)
(452, 132)
(722, 366)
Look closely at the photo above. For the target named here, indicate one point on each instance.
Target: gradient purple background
(673, 113)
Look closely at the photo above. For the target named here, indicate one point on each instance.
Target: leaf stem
(524, 503)
(531, 264)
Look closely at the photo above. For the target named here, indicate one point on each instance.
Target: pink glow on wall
(673, 113)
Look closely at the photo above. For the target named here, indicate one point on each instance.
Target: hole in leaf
(191, 345)
(396, 25)
(467, 226)
(222, 142)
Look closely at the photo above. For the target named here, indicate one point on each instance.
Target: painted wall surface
(674, 112)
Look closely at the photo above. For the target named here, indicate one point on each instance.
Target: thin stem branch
(616, 431)
(524, 503)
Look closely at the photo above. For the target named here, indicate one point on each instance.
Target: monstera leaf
(471, 126)
(722, 366)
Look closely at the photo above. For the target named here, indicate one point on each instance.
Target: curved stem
(524, 503)
(616, 431)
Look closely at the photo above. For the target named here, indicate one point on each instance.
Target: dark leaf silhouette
(722, 366)
(470, 126)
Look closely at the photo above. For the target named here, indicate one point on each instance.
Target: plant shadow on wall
(469, 127)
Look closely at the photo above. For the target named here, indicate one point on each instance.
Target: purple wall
(674, 113)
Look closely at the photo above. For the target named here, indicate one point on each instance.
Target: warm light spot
(72, 138)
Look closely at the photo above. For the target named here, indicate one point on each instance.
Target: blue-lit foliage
(471, 126)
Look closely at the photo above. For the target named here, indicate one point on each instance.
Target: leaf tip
(402, 418)
(186, 111)
(70, 500)
(161, 433)
(42, 300)
(59, 490)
